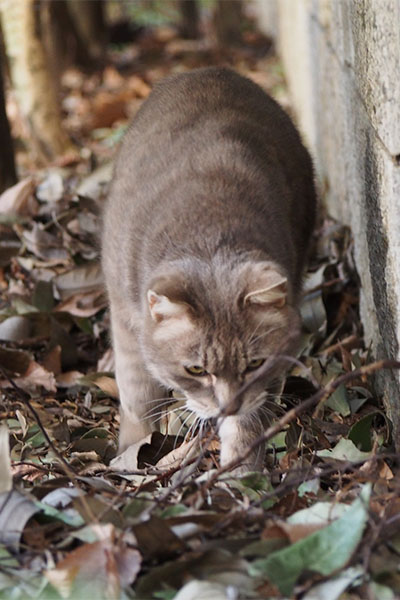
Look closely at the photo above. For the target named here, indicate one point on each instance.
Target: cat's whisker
(259, 337)
(170, 398)
(201, 435)
(259, 324)
(180, 428)
(163, 412)
(192, 428)
(153, 408)
(159, 401)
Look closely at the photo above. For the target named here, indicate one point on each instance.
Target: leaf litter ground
(322, 522)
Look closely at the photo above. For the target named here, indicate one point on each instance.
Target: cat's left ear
(267, 286)
(161, 307)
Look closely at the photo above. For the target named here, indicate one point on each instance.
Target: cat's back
(201, 106)
(209, 159)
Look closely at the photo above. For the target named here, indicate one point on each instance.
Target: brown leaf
(99, 569)
(35, 376)
(83, 304)
(19, 199)
(15, 362)
(138, 86)
(69, 378)
(155, 538)
(298, 531)
(108, 107)
(82, 279)
(45, 245)
(108, 385)
(185, 451)
(52, 360)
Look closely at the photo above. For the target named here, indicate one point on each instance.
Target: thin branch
(316, 400)
(69, 471)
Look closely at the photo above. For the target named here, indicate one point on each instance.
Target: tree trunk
(189, 19)
(8, 175)
(228, 19)
(89, 19)
(33, 85)
(63, 42)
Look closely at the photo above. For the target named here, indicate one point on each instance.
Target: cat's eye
(255, 364)
(196, 370)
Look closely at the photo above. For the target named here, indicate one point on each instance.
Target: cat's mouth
(207, 408)
(203, 408)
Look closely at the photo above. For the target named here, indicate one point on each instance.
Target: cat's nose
(226, 394)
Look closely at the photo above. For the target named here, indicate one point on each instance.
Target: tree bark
(8, 174)
(35, 90)
(228, 19)
(89, 18)
(189, 19)
(63, 42)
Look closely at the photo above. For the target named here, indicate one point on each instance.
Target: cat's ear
(161, 307)
(266, 286)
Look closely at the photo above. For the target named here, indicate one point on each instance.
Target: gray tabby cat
(206, 231)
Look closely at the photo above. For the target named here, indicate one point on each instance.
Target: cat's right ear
(161, 307)
(266, 285)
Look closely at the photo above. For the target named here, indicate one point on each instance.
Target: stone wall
(342, 62)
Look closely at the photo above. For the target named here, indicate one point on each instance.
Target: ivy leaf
(324, 551)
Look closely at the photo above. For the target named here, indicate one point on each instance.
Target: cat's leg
(137, 389)
(237, 434)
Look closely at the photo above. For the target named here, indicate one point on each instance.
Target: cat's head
(209, 333)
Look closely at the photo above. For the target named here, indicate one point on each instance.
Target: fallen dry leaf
(108, 385)
(19, 199)
(36, 376)
(83, 305)
(99, 569)
(185, 452)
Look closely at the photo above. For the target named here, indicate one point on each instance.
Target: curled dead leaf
(35, 376)
(19, 199)
(186, 451)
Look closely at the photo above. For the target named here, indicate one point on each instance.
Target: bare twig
(316, 400)
(69, 471)
(351, 341)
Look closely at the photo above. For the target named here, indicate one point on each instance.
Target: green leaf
(332, 589)
(67, 516)
(165, 594)
(7, 559)
(256, 481)
(173, 511)
(381, 591)
(324, 551)
(360, 433)
(311, 486)
(339, 401)
(253, 485)
(42, 297)
(344, 450)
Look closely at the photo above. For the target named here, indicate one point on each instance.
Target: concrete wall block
(376, 35)
(342, 62)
